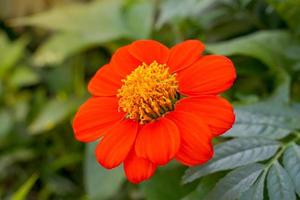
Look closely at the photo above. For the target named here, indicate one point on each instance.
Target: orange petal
(148, 51)
(195, 147)
(116, 144)
(209, 75)
(215, 111)
(105, 82)
(184, 54)
(138, 169)
(123, 62)
(158, 141)
(94, 117)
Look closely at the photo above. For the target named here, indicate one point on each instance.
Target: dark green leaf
(235, 182)
(291, 162)
(99, 182)
(232, 154)
(165, 184)
(253, 124)
(279, 184)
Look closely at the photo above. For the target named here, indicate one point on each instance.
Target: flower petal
(123, 62)
(138, 169)
(215, 111)
(209, 75)
(94, 117)
(184, 54)
(105, 82)
(116, 144)
(195, 147)
(158, 141)
(148, 51)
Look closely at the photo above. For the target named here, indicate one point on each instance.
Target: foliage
(47, 58)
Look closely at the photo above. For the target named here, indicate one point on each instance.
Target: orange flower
(152, 104)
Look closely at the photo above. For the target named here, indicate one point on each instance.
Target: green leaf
(291, 162)
(255, 124)
(171, 10)
(236, 182)
(256, 191)
(265, 46)
(8, 159)
(25, 188)
(279, 184)
(6, 122)
(205, 186)
(272, 118)
(165, 184)
(140, 29)
(232, 154)
(276, 108)
(10, 53)
(289, 10)
(53, 112)
(100, 183)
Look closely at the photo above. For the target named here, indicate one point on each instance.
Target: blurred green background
(49, 49)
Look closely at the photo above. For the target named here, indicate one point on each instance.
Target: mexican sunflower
(151, 104)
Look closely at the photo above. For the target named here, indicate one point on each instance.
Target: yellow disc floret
(148, 92)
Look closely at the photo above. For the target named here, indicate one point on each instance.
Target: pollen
(148, 92)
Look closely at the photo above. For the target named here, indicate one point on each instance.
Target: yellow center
(148, 92)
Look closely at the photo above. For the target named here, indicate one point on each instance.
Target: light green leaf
(235, 183)
(165, 184)
(263, 45)
(291, 162)
(99, 17)
(23, 76)
(256, 191)
(100, 183)
(232, 154)
(140, 29)
(25, 188)
(52, 114)
(53, 51)
(279, 184)
(79, 26)
(289, 10)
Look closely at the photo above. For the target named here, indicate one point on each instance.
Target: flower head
(152, 104)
